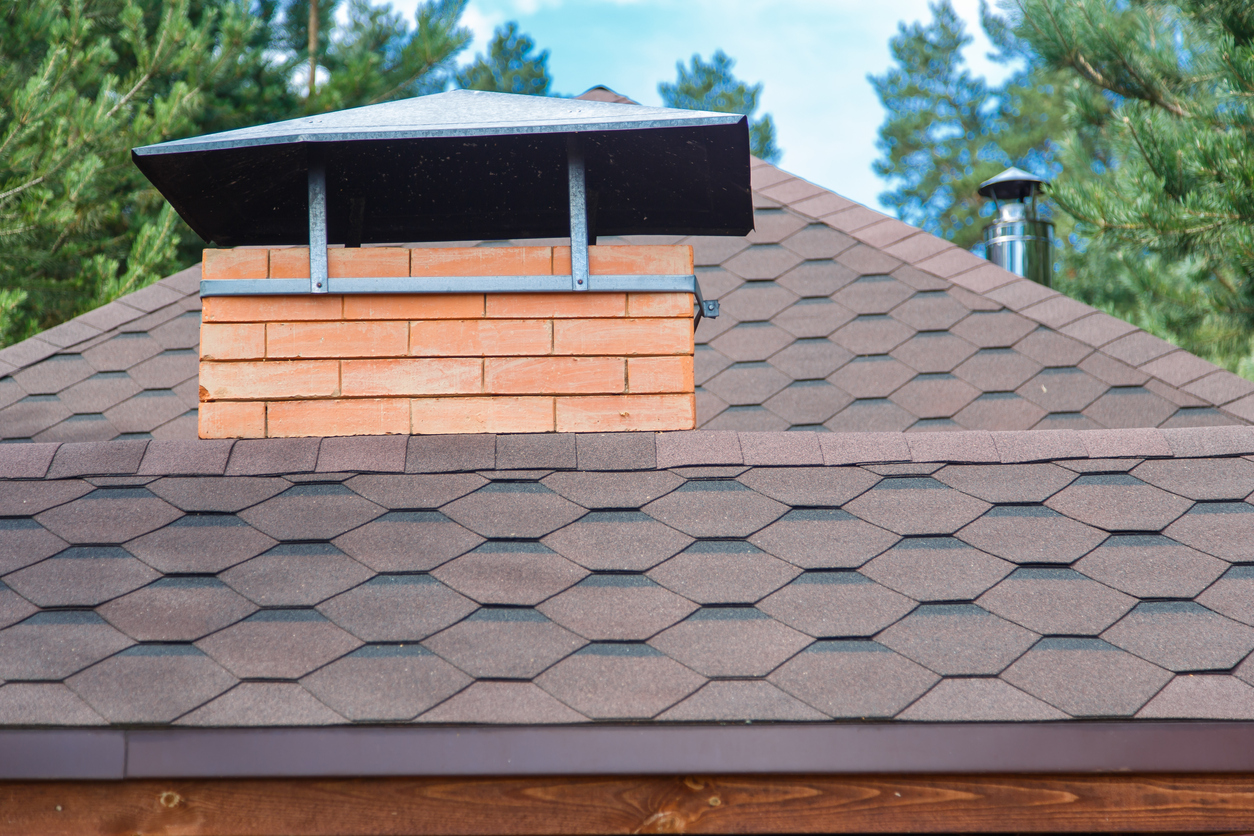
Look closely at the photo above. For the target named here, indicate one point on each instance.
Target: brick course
(372, 364)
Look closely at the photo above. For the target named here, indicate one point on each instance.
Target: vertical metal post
(317, 223)
(578, 214)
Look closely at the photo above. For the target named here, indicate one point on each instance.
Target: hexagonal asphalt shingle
(730, 641)
(1118, 502)
(757, 301)
(1006, 482)
(1201, 479)
(151, 683)
(933, 351)
(813, 318)
(818, 241)
(513, 509)
(414, 491)
(816, 278)
(808, 402)
(1224, 529)
(54, 374)
(109, 515)
(55, 644)
(408, 541)
(934, 395)
(44, 704)
(979, 700)
(999, 411)
(716, 508)
(619, 681)
(873, 294)
(1064, 389)
(295, 575)
(518, 573)
(311, 512)
(823, 538)
(278, 644)
(217, 494)
(397, 608)
(762, 261)
(177, 609)
(809, 487)
(937, 569)
(23, 542)
(13, 607)
(838, 604)
(807, 359)
(24, 499)
(1182, 636)
(877, 376)
(916, 505)
(871, 415)
(872, 334)
(613, 491)
(723, 572)
(617, 607)
(737, 701)
(504, 643)
(1130, 406)
(1086, 677)
(385, 682)
(263, 704)
(853, 679)
(933, 310)
(997, 369)
(200, 543)
(1201, 697)
(82, 576)
(1056, 601)
(1151, 566)
(617, 541)
(751, 342)
(514, 703)
(1232, 595)
(958, 639)
(1031, 534)
(994, 329)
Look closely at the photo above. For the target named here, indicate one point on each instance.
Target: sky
(812, 57)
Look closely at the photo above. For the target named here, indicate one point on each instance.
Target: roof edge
(605, 451)
(1003, 748)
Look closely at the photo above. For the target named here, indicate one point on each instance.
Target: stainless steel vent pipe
(1018, 239)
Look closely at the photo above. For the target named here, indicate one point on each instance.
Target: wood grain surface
(757, 804)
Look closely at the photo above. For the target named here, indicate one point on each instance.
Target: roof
(834, 318)
(676, 577)
(1074, 556)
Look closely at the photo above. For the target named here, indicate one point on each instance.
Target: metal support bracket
(317, 223)
(577, 177)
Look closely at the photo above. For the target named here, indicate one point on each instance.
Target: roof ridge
(1171, 366)
(470, 453)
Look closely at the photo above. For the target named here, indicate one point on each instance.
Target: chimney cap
(1011, 184)
(462, 165)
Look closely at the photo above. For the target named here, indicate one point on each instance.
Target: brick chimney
(303, 338)
(372, 364)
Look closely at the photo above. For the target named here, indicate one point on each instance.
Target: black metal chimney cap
(1011, 184)
(462, 165)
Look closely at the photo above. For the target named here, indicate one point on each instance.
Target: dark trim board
(655, 749)
(563, 804)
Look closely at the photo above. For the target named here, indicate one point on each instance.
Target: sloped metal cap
(1011, 184)
(462, 165)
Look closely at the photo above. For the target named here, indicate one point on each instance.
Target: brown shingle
(397, 608)
(1182, 636)
(730, 641)
(723, 572)
(823, 538)
(751, 342)
(1086, 677)
(976, 700)
(109, 515)
(617, 607)
(1031, 534)
(1151, 566)
(517, 573)
(504, 643)
(278, 644)
(295, 575)
(176, 609)
(1056, 601)
(740, 701)
(934, 395)
(23, 542)
(617, 541)
(933, 351)
(263, 704)
(619, 681)
(217, 494)
(813, 318)
(1118, 502)
(916, 506)
(872, 334)
(1202, 697)
(311, 512)
(200, 543)
(1232, 595)
(151, 683)
(53, 645)
(854, 679)
(872, 377)
(936, 569)
(1129, 406)
(719, 508)
(958, 639)
(812, 279)
(836, 605)
(513, 509)
(408, 541)
(385, 682)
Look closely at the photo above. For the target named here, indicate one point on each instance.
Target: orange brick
(266, 379)
(623, 336)
(413, 306)
(482, 415)
(660, 304)
(232, 341)
(367, 262)
(337, 339)
(289, 263)
(554, 375)
(358, 416)
(412, 376)
(633, 260)
(480, 338)
(271, 308)
(624, 413)
(234, 264)
(555, 305)
(659, 374)
(232, 420)
(482, 261)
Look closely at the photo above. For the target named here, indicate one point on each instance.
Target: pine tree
(714, 87)
(1167, 86)
(509, 66)
(947, 130)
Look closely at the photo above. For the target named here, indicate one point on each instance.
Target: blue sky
(812, 56)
